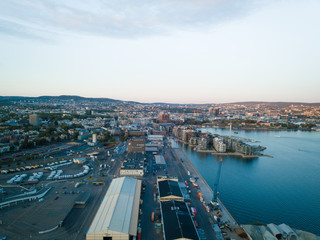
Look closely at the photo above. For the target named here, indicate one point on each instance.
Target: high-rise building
(216, 111)
(34, 120)
(94, 138)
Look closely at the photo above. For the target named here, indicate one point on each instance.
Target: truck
(139, 234)
(200, 196)
(195, 224)
(193, 211)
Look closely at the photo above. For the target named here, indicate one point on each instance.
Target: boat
(277, 136)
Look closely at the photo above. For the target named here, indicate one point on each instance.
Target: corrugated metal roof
(177, 222)
(116, 210)
(169, 188)
(160, 160)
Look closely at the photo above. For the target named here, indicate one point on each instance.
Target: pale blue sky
(170, 51)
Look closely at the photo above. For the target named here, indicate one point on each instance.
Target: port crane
(215, 186)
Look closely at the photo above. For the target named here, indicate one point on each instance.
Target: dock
(206, 190)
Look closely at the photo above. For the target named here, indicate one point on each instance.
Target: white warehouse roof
(160, 160)
(119, 209)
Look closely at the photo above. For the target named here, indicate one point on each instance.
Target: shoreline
(205, 189)
(213, 152)
(254, 129)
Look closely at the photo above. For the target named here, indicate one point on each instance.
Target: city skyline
(203, 52)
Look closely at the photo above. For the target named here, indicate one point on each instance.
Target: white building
(160, 160)
(155, 138)
(117, 216)
(80, 160)
(131, 168)
(94, 138)
(219, 146)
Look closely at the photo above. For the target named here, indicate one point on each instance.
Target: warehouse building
(133, 165)
(153, 150)
(131, 168)
(155, 138)
(137, 145)
(177, 221)
(160, 160)
(117, 216)
(169, 189)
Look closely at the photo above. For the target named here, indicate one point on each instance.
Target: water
(283, 189)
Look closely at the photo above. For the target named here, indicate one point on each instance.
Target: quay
(207, 193)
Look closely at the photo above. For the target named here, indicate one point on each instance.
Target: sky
(203, 51)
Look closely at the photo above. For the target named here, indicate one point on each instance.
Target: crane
(215, 188)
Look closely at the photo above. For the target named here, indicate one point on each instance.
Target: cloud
(116, 18)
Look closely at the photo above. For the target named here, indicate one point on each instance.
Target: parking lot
(35, 217)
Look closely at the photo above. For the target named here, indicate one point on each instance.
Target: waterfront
(285, 188)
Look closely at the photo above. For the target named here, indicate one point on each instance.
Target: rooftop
(177, 222)
(119, 208)
(169, 188)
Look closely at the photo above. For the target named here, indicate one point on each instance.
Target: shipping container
(196, 224)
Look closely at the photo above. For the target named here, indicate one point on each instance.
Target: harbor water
(282, 189)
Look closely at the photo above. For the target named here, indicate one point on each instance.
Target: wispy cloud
(115, 18)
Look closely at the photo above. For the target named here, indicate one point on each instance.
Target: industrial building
(80, 160)
(169, 189)
(271, 231)
(177, 221)
(155, 138)
(160, 160)
(158, 145)
(153, 150)
(133, 165)
(131, 168)
(137, 145)
(117, 216)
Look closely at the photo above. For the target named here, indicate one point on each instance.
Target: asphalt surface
(26, 220)
(207, 193)
(150, 204)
